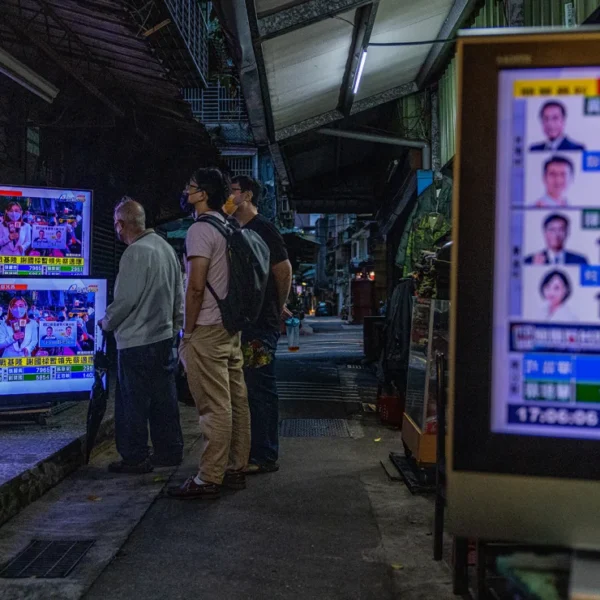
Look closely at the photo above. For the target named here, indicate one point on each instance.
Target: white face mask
(14, 215)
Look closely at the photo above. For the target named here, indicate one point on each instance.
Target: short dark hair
(561, 276)
(560, 160)
(556, 104)
(556, 217)
(247, 184)
(215, 184)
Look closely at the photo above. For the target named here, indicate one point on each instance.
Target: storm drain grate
(314, 428)
(46, 559)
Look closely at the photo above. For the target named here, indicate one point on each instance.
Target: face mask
(230, 206)
(18, 312)
(14, 215)
(185, 206)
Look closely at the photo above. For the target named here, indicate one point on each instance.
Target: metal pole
(383, 139)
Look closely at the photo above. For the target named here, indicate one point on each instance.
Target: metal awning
(307, 53)
(299, 62)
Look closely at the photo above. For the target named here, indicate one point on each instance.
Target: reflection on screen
(44, 232)
(48, 334)
(546, 371)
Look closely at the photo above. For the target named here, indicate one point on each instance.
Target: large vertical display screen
(49, 334)
(546, 315)
(44, 232)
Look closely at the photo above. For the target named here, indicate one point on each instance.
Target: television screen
(546, 358)
(44, 232)
(48, 337)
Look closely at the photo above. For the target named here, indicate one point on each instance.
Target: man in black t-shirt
(262, 338)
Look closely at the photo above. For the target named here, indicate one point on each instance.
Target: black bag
(249, 267)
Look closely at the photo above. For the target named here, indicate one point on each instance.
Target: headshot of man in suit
(553, 116)
(556, 231)
(558, 174)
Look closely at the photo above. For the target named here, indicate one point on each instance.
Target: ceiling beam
(363, 27)
(26, 31)
(438, 55)
(301, 15)
(336, 115)
(279, 162)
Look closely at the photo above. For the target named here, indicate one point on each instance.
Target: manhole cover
(314, 428)
(46, 559)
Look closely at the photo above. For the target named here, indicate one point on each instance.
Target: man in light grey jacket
(146, 315)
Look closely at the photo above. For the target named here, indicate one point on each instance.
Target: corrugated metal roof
(100, 41)
(305, 68)
(306, 62)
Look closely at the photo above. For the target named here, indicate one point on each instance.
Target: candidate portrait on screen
(555, 230)
(553, 116)
(557, 177)
(555, 290)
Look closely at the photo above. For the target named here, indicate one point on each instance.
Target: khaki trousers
(213, 362)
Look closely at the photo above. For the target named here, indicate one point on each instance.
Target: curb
(27, 487)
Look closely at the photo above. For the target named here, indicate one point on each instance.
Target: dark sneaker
(120, 466)
(190, 490)
(234, 480)
(256, 469)
(158, 461)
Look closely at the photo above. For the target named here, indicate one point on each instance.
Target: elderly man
(146, 315)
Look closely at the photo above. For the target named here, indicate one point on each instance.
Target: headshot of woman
(555, 290)
(15, 233)
(19, 335)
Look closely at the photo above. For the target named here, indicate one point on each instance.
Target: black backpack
(249, 268)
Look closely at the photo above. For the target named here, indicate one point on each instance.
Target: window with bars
(217, 103)
(241, 165)
(190, 16)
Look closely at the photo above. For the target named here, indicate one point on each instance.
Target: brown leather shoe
(234, 480)
(190, 490)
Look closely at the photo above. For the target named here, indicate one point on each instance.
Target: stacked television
(49, 306)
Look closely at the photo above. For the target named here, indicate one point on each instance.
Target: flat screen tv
(49, 334)
(44, 232)
(525, 333)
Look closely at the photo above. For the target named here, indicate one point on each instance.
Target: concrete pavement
(328, 525)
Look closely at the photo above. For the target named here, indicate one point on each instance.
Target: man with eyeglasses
(211, 355)
(145, 316)
(260, 380)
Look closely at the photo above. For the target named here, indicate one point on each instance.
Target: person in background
(145, 315)
(211, 355)
(556, 232)
(34, 313)
(20, 335)
(261, 381)
(553, 116)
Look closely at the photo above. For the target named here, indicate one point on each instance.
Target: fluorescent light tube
(359, 72)
(26, 77)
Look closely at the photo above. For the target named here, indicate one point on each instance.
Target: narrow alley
(329, 525)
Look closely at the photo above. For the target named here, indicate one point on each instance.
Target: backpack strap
(222, 228)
